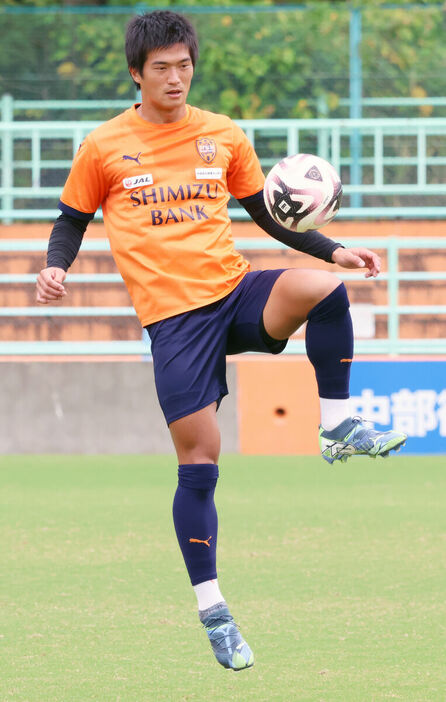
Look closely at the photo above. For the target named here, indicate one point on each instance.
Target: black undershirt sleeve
(65, 241)
(67, 234)
(312, 242)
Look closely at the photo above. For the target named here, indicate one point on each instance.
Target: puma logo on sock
(201, 541)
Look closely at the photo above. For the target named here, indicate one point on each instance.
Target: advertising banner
(409, 396)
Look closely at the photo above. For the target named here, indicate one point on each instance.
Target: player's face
(165, 83)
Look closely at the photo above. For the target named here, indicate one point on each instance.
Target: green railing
(11, 108)
(393, 310)
(400, 172)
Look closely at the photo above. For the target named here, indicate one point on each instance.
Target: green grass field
(337, 578)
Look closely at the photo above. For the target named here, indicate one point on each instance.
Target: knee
(197, 437)
(203, 449)
(309, 287)
(334, 304)
(325, 282)
(197, 455)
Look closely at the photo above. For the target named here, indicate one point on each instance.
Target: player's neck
(151, 114)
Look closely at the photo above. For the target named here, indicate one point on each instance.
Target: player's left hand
(358, 258)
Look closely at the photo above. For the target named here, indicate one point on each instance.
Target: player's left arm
(245, 174)
(358, 258)
(311, 242)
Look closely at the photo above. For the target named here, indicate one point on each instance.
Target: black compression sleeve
(65, 241)
(312, 242)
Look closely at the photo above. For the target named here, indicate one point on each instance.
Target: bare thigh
(292, 297)
(196, 437)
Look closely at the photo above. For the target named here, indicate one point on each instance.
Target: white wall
(91, 407)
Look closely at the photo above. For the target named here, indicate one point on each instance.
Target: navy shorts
(189, 350)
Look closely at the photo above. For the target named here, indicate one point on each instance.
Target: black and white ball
(303, 192)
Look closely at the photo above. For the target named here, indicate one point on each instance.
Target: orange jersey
(164, 190)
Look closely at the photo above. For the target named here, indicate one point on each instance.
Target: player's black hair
(157, 30)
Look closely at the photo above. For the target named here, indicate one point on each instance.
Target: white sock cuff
(333, 412)
(208, 594)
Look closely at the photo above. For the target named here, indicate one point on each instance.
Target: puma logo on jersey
(201, 541)
(133, 158)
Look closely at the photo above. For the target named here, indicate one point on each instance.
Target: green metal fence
(279, 58)
(392, 310)
(12, 108)
(402, 163)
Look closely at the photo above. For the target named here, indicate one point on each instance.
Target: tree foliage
(253, 64)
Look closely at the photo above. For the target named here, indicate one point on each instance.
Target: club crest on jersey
(137, 181)
(207, 148)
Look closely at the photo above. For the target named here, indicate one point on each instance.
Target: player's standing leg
(197, 441)
(319, 298)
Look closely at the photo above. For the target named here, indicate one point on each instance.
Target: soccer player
(162, 171)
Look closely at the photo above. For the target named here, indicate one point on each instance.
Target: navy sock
(329, 343)
(195, 519)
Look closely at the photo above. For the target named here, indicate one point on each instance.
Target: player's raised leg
(197, 441)
(319, 298)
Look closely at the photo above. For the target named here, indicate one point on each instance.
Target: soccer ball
(302, 192)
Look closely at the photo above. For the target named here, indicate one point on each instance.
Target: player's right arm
(63, 247)
(83, 193)
(49, 286)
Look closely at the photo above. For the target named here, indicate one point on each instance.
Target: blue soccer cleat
(353, 438)
(229, 647)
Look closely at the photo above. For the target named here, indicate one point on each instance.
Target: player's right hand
(49, 286)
